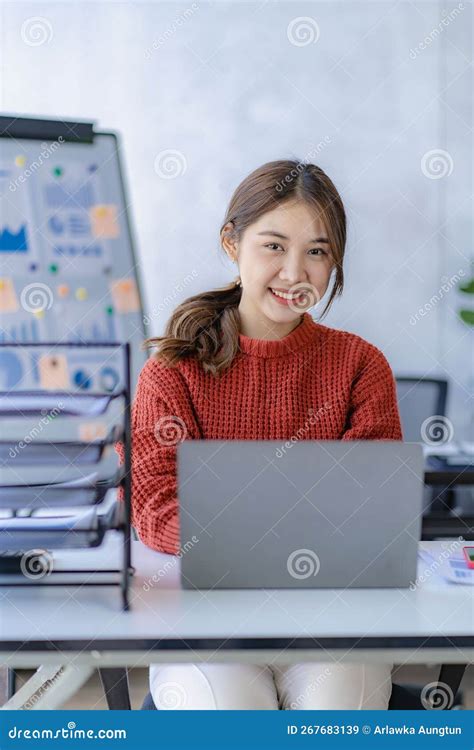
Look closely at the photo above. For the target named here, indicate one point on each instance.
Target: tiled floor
(91, 697)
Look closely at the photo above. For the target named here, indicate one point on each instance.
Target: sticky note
(125, 295)
(81, 293)
(90, 431)
(8, 298)
(53, 371)
(104, 221)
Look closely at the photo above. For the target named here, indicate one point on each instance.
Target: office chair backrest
(418, 400)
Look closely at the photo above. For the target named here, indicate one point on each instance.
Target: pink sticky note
(125, 295)
(53, 371)
(104, 221)
(8, 298)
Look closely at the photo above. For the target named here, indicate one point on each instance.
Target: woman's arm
(162, 417)
(373, 413)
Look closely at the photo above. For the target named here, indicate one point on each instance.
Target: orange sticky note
(53, 371)
(125, 295)
(90, 431)
(104, 221)
(8, 298)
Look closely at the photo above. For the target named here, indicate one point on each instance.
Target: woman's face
(287, 250)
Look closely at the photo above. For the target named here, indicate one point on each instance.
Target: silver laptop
(311, 514)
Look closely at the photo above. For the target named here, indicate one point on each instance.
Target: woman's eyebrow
(284, 237)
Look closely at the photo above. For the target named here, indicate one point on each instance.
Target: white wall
(223, 84)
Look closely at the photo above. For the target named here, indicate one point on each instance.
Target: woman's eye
(315, 250)
(272, 245)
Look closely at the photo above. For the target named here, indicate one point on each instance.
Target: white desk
(85, 625)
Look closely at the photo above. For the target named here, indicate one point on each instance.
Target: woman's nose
(292, 270)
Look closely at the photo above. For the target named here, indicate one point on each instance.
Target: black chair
(420, 398)
(115, 683)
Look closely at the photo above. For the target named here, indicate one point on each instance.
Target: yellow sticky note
(81, 293)
(125, 295)
(53, 371)
(104, 221)
(8, 298)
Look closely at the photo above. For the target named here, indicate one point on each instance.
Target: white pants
(309, 686)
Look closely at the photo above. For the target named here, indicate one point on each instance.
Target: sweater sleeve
(162, 417)
(373, 413)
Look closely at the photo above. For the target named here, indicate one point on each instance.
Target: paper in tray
(59, 452)
(23, 403)
(85, 490)
(51, 453)
(84, 529)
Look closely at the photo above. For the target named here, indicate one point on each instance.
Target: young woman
(247, 361)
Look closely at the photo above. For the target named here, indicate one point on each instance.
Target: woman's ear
(229, 245)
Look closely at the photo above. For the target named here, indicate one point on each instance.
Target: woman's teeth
(285, 295)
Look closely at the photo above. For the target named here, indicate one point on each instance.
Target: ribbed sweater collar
(299, 338)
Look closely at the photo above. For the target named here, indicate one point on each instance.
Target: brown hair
(206, 325)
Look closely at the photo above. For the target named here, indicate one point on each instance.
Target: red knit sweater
(316, 383)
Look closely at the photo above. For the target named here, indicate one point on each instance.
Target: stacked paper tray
(70, 531)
